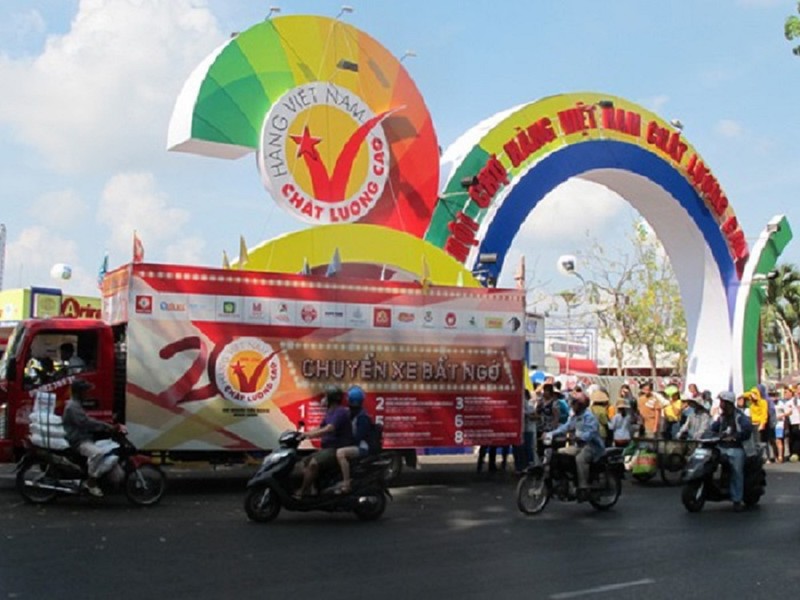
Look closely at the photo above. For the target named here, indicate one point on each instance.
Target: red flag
(138, 248)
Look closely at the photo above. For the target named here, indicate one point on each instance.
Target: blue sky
(88, 88)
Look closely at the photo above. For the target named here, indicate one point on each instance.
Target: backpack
(375, 438)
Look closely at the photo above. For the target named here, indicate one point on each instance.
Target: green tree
(636, 300)
(780, 316)
(791, 29)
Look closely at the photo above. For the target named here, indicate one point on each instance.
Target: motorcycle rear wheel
(261, 504)
(607, 491)
(693, 496)
(145, 485)
(372, 507)
(533, 493)
(31, 474)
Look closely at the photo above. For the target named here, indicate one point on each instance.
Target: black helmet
(334, 395)
(80, 386)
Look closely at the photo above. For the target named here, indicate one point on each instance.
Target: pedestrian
(524, 455)
(781, 415)
(793, 408)
(759, 415)
(598, 400)
(621, 425)
(649, 405)
(772, 421)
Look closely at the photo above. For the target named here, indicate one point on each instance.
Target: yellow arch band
(370, 244)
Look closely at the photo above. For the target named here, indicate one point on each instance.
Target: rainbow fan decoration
(341, 131)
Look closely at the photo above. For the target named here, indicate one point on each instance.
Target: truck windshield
(14, 341)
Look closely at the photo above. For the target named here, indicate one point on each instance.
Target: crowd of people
(641, 412)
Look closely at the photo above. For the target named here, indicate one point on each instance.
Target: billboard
(228, 360)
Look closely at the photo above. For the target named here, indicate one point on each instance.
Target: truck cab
(40, 340)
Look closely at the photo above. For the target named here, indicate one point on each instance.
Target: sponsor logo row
(318, 314)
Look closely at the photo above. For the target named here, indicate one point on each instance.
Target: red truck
(213, 364)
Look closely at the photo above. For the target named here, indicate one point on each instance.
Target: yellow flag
(426, 275)
(242, 252)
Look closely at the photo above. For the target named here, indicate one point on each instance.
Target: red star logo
(306, 144)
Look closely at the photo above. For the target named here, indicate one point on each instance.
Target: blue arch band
(577, 159)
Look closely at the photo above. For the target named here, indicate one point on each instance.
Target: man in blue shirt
(589, 445)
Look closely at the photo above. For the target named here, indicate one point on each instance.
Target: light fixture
(468, 182)
(272, 9)
(344, 9)
(347, 65)
(567, 263)
(677, 124)
(408, 54)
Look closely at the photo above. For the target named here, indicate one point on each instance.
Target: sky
(88, 87)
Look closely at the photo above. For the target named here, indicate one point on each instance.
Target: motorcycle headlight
(702, 453)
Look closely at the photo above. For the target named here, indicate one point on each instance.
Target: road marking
(603, 588)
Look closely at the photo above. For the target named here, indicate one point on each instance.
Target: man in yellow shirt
(672, 412)
(759, 413)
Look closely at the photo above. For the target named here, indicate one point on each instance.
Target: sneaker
(94, 491)
(738, 507)
(582, 495)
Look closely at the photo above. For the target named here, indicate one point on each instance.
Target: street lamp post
(567, 264)
(568, 298)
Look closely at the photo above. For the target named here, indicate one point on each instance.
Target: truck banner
(227, 360)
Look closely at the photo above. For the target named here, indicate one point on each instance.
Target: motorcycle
(707, 477)
(280, 476)
(44, 474)
(557, 477)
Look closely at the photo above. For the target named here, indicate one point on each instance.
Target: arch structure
(497, 173)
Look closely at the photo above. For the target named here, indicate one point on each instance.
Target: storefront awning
(583, 366)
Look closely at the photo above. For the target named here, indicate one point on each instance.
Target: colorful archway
(501, 169)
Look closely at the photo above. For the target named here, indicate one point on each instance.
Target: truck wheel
(370, 505)
(693, 496)
(533, 493)
(261, 504)
(145, 485)
(31, 476)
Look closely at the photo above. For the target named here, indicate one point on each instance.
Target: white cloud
(59, 209)
(569, 211)
(728, 128)
(100, 96)
(131, 201)
(31, 255)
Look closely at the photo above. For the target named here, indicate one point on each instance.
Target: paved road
(448, 534)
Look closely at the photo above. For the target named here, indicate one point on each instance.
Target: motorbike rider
(82, 431)
(335, 432)
(362, 427)
(734, 428)
(698, 420)
(590, 446)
